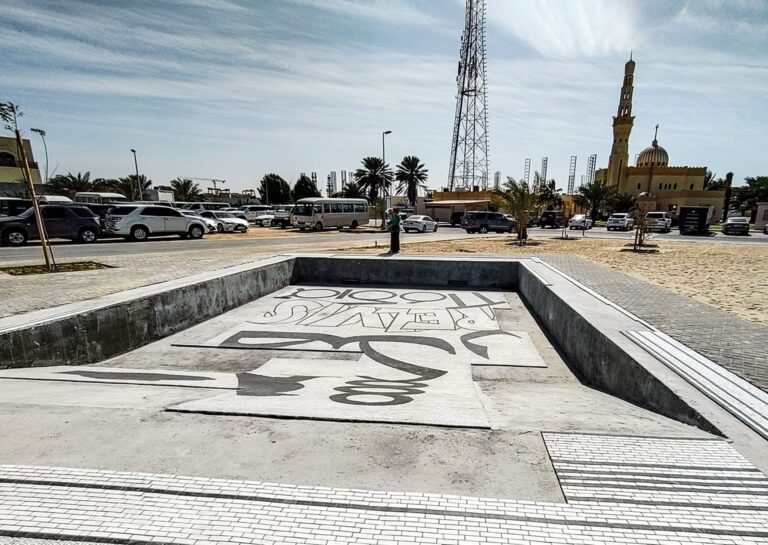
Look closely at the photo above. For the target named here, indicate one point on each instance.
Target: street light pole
(387, 195)
(136, 164)
(41, 132)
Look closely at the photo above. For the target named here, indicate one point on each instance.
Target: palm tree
(594, 196)
(375, 177)
(352, 190)
(623, 202)
(549, 195)
(411, 174)
(70, 184)
(128, 187)
(520, 199)
(186, 190)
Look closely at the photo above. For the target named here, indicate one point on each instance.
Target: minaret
(622, 126)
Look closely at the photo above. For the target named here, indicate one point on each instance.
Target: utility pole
(41, 132)
(387, 196)
(10, 114)
(136, 164)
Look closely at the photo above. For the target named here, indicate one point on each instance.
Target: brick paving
(738, 345)
(104, 506)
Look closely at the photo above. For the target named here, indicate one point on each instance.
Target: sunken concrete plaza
(321, 398)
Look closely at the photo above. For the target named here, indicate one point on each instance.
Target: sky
(234, 89)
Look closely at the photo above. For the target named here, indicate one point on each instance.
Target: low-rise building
(11, 176)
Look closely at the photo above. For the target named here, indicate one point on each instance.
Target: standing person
(394, 229)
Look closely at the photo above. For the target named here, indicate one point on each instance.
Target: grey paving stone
(738, 345)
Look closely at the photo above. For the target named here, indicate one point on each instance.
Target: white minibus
(317, 213)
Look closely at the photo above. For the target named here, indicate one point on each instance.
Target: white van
(317, 213)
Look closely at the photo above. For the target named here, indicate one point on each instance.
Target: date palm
(411, 176)
(594, 196)
(352, 190)
(375, 177)
(69, 184)
(186, 190)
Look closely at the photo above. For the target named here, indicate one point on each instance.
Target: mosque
(657, 185)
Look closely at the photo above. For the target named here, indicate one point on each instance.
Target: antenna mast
(469, 150)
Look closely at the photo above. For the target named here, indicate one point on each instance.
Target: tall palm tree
(411, 174)
(594, 196)
(549, 195)
(352, 190)
(186, 190)
(520, 198)
(69, 184)
(375, 177)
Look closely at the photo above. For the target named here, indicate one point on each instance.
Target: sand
(731, 277)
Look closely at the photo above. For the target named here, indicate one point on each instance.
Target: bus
(317, 213)
(93, 197)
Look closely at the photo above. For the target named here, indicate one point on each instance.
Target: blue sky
(234, 89)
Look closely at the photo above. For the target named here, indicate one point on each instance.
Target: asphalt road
(110, 247)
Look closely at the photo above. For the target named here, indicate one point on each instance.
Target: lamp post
(388, 197)
(136, 164)
(41, 132)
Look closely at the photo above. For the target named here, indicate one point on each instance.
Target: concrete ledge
(588, 329)
(488, 273)
(95, 330)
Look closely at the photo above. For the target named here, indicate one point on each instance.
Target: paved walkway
(40, 505)
(738, 345)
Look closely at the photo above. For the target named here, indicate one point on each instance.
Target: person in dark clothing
(394, 230)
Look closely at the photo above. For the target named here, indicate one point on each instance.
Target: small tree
(273, 189)
(304, 188)
(623, 202)
(520, 199)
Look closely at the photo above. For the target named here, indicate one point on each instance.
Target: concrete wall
(602, 362)
(423, 271)
(94, 335)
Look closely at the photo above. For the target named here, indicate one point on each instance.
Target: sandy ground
(732, 277)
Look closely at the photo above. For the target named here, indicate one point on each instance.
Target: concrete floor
(125, 427)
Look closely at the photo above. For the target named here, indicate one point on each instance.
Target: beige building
(658, 185)
(11, 177)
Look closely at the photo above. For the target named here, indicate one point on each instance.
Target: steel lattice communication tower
(469, 151)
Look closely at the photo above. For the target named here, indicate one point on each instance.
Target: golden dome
(653, 156)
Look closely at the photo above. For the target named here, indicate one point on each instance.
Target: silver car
(138, 222)
(420, 224)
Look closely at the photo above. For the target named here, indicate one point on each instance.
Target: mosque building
(657, 185)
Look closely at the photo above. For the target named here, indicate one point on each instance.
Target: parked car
(512, 219)
(75, 222)
(226, 222)
(658, 221)
(209, 223)
(456, 218)
(581, 221)
(236, 212)
(282, 215)
(551, 218)
(482, 222)
(265, 218)
(620, 220)
(736, 226)
(765, 229)
(419, 223)
(138, 222)
(252, 211)
(13, 206)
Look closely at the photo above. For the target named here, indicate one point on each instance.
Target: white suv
(621, 220)
(138, 222)
(658, 221)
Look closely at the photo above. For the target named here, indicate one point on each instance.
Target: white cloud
(567, 29)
